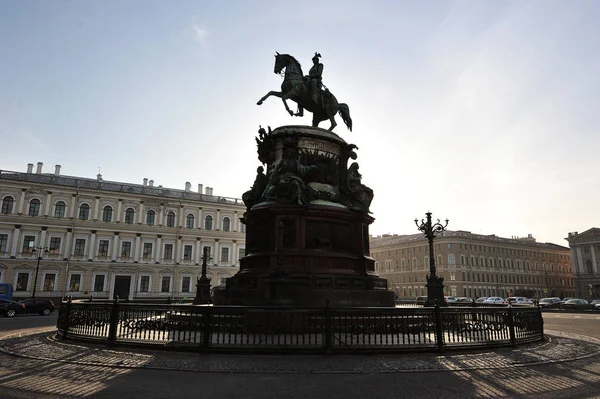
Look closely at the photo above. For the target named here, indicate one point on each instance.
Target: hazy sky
(484, 112)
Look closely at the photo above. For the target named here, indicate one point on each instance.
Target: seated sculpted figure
(358, 196)
(252, 196)
(287, 182)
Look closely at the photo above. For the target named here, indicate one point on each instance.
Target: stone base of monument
(307, 236)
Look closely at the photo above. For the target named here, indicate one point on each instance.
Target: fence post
(541, 320)
(511, 327)
(66, 313)
(327, 328)
(114, 319)
(439, 337)
(206, 327)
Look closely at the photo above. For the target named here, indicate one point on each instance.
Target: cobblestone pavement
(39, 366)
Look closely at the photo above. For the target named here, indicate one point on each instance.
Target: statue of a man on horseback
(307, 91)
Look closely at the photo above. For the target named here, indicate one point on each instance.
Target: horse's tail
(345, 114)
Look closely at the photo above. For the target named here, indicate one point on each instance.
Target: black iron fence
(236, 329)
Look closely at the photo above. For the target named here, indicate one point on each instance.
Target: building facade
(585, 252)
(474, 265)
(102, 239)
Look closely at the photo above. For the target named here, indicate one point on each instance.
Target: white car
(494, 300)
(518, 300)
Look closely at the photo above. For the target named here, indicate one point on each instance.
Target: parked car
(578, 304)
(550, 303)
(11, 308)
(566, 299)
(518, 300)
(595, 302)
(450, 299)
(481, 299)
(464, 299)
(36, 305)
(421, 300)
(493, 300)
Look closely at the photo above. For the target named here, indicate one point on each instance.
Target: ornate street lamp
(41, 251)
(435, 284)
(203, 283)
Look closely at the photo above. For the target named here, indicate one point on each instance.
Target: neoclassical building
(474, 265)
(585, 252)
(102, 238)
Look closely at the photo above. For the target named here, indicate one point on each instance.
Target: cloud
(200, 35)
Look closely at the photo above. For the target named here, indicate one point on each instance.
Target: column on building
(235, 221)
(67, 252)
(178, 249)
(15, 241)
(73, 206)
(119, 210)
(594, 264)
(216, 256)
(181, 215)
(43, 237)
(161, 212)
(574, 266)
(218, 221)
(197, 254)
(136, 253)
(92, 248)
(48, 202)
(158, 251)
(115, 247)
(234, 259)
(200, 221)
(141, 213)
(96, 208)
(22, 200)
(580, 261)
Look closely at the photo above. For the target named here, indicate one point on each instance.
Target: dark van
(6, 291)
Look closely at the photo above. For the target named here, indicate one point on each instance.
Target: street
(19, 323)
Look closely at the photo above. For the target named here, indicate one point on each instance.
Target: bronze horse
(296, 88)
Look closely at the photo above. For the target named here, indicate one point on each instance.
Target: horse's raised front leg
(271, 93)
(286, 106)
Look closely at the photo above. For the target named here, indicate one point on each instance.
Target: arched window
(34, 207)
(107, 214)
(59, 209)
(208, 222)
(171, 219)
(84, 212)
(150, 217)
(7, 204)
(226, 224)
(129, 216)
(189, 221)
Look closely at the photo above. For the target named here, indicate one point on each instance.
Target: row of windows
(107, 214)
(490, 278)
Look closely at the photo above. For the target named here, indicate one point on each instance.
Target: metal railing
(302, 330)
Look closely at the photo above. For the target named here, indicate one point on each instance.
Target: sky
(483, 112)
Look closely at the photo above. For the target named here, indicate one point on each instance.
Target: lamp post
(435, 284)
(40, 251)
(203, 283)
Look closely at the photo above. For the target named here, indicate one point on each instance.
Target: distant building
(585, 252)
(474, 265)
(107, 238)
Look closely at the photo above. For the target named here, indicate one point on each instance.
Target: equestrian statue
(308, 91)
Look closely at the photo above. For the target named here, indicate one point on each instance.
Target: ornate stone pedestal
(307, 234)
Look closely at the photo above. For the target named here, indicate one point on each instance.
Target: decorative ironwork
(435, 283)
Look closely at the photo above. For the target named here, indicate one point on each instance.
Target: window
(452, 276)
(22, 281)
(126, 249)
(224, 254)
(450, 259)
(28, 243)
(185, 284)
(147, 253)
(3, 242)
(54, 247)
(103, 248)
(59, 209)
(171, 219)
(150, 218)
(165, 284)
(242, 228)
(189, 221)
(107, 214)
(144, 283)
(207, 251)
(241, 253)
(187, 252)
(7, 204)
(75, 282)
(99, 282)
(84, 212)
(49, 281)
(34, 207)
(129, 216)
(226, 224)
(79, 247)
(208, 222)
(168, 252)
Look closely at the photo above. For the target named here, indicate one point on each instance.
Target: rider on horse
(314, 78)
